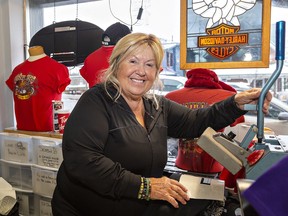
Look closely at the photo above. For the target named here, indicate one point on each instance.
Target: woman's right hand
(168, 189)
(251, 96)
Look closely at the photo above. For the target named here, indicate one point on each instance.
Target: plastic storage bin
(16, 147)
(47, 151)
(43, 181)
(18, 175)
(26, 203)
(43, 206)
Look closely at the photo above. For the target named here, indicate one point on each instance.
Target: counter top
(34, 133)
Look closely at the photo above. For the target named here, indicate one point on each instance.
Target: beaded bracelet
(145, 189)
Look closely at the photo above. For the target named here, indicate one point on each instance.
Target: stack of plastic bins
(47, 157)
(16, 161)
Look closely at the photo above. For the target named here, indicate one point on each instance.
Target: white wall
(11, 54)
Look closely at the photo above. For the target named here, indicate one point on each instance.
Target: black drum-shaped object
(69, 42)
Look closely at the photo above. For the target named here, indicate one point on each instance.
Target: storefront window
(159, 18)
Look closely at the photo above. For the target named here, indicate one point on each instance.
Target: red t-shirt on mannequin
(201, 89)
(35, 83)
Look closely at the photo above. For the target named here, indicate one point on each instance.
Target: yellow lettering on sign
(222, 52)
(222, 31)
(225, 40)
(222, 41)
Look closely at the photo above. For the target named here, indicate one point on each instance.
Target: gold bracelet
(141, 188)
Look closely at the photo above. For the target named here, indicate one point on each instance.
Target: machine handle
(280, 55)
(280, 40)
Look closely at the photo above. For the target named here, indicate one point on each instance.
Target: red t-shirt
(95, 64)
(195, 98)
(35, 84)
(190, 156)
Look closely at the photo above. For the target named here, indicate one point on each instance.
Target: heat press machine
(265, 152)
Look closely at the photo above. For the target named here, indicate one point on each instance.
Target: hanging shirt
(201, 90)
(196, 98)
(35, 84)
(95, 64)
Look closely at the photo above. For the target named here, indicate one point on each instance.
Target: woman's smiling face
(137, 73)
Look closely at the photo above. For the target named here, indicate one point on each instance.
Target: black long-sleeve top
(106, 150)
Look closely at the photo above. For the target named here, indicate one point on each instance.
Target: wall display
(225, 33)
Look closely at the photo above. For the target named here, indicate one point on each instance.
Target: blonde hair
(125, 47)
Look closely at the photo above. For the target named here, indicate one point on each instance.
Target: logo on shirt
(24, 86)
(196, 105)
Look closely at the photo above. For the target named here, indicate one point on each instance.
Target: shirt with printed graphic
(35, 85)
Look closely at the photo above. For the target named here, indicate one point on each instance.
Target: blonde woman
(115, 140)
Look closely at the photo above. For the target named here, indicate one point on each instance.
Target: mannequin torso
(36, 52)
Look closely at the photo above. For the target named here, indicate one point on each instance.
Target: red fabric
(202, 84)
(35, 84)
(230, 179)
(95, 64)
(201, 89)
(205, 78)
(193, 158)
(201, 97)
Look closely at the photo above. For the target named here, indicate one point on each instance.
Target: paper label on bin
(15, 150)
(50, 156)
(45, 207)
(23, 204)
(44, 182)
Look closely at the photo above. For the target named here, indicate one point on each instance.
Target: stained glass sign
(225, 33)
